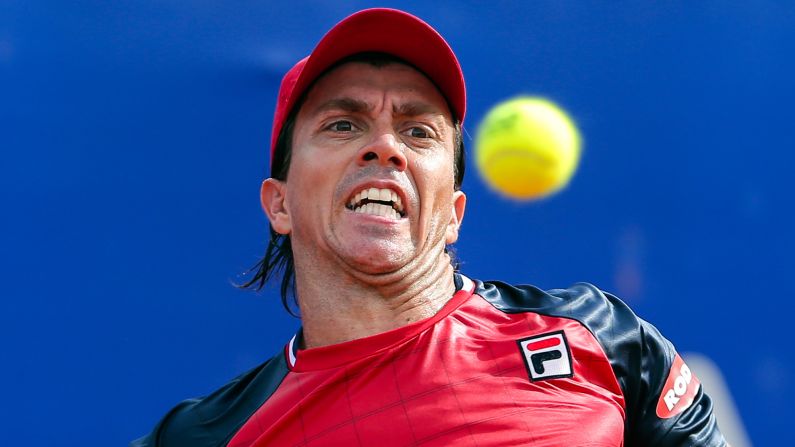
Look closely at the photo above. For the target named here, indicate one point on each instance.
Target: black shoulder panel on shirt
(211, 421)
(640, 356)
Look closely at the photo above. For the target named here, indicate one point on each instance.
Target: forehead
(372, 82)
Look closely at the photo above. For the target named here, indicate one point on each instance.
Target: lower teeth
(377, 209)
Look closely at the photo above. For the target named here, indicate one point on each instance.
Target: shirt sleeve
(665, 402)
(211, 421)
(169, 431)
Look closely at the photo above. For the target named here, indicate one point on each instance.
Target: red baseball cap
(382, 30)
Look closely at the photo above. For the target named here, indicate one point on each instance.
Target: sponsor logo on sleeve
(546, 356)
(679, 391)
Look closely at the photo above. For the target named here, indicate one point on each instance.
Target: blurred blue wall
(133, 139)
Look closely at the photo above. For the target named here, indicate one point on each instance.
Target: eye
(418, 132)
(341, 126)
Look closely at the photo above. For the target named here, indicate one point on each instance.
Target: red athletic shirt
(456, 379)
(498, 365)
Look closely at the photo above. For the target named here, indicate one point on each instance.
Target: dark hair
(279, 254)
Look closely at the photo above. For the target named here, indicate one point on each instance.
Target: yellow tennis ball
(527, 148)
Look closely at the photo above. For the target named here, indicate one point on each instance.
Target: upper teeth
(393, 208)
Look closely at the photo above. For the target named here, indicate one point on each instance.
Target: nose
(384, 149)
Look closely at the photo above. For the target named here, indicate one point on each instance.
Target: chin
(378, 258)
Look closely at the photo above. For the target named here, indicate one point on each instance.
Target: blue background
(134, 135)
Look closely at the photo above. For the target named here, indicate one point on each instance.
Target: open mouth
(377, 202)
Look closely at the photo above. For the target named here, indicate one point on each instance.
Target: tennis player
(397, 347)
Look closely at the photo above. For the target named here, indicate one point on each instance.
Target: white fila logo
(546, 356)
(679, 391)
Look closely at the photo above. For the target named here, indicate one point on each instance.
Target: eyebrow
(416, 109)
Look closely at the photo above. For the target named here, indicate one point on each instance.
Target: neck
(337, 308)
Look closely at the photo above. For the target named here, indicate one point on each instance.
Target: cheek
(301, 182)
(436, 174)
(312, 187)
(309, 172)
(435, 180)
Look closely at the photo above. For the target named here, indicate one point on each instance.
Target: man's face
(371, 177)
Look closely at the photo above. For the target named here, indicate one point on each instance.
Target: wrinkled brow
(352, 105)
(346, 105)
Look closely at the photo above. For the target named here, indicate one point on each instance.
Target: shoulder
(211, 420)
(611, 322)
(643, 361)
(584, 302)
(523, 297)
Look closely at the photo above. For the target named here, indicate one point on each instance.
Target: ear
(272, 196)
(459, 206)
